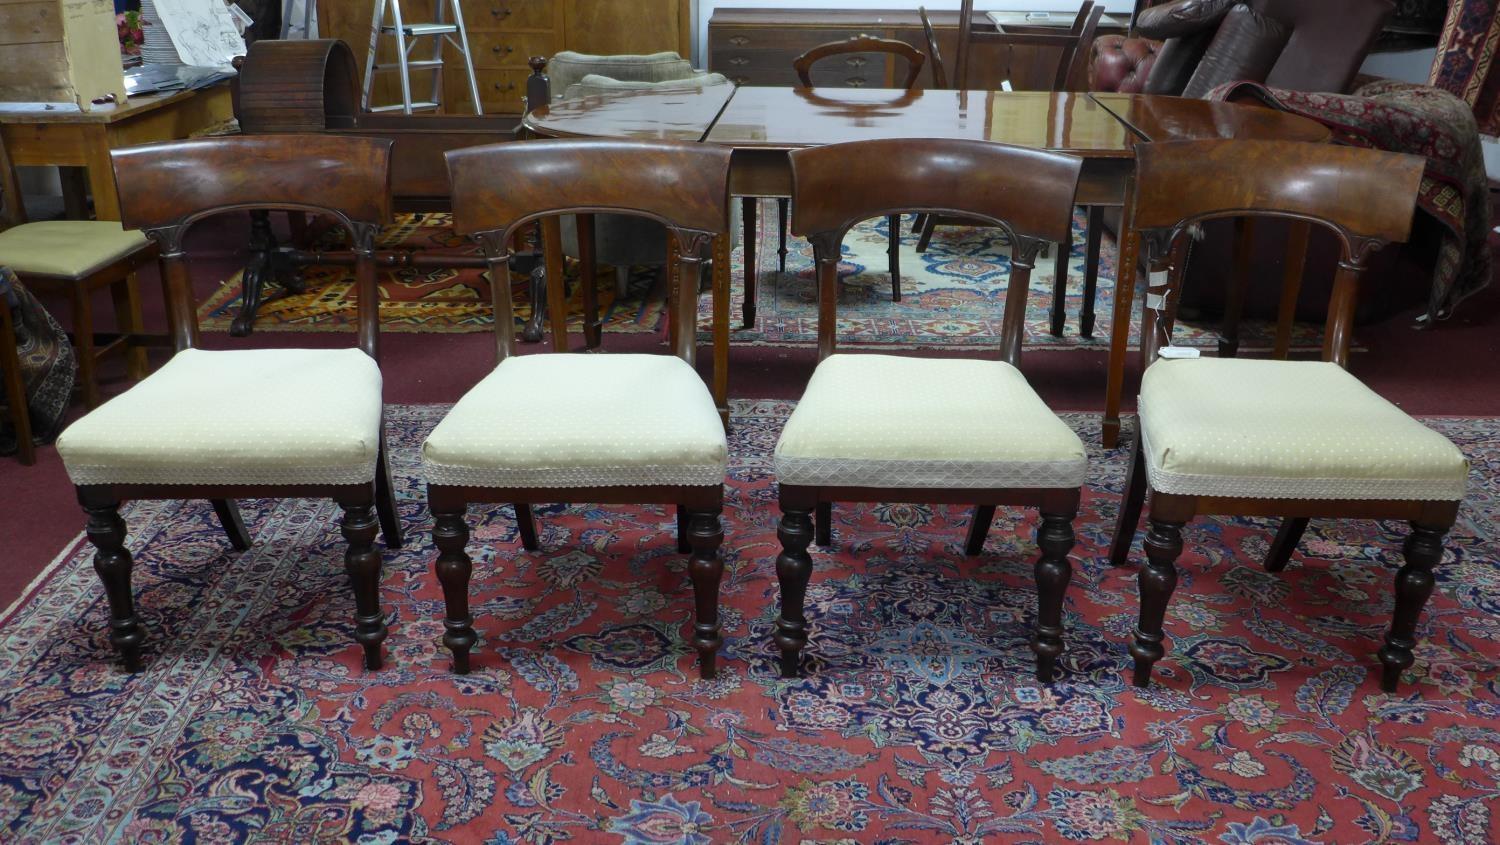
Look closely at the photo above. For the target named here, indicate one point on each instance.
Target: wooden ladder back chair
(552, 405)
(265, 423)
(75, 259)
(834, 447)
(1277, 438)
(1072, 45)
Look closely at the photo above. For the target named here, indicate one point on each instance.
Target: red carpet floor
(1449, 370)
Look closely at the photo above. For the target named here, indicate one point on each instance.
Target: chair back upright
(1366, 197)
(803, 64)
(165, 188)
(1072, 45)
(934, 51)
(684, 186)
(12, 205)
(1026, 193)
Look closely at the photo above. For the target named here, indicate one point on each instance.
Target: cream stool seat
(241, 417)
(1287, 430)
(69, 249)
(899, 422)
(545, 421)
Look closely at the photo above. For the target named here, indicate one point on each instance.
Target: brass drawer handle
(739, 40)
(739, 61)
(500, 14)
(500, 50)
(856, 61)
(509, 87)
(855, 82)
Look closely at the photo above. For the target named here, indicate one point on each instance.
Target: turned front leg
(450, 533)
(362, 563)
(705, 535)
(793, 571)
(112, 561)
(1158, 578)
(1423, 551)
(1053, 572)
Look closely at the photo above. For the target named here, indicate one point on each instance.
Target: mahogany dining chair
(1276, 438)
(607, 428)
(885, 428)
(252, 423)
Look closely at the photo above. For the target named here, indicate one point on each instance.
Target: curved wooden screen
(298, 86)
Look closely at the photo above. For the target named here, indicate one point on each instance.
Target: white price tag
(1182, 352)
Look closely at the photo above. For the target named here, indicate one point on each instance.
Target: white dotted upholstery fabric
(893, 421)
(1287, 430)
(559, 420)
(260, 416)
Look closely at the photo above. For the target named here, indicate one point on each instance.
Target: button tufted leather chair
(1326, 43)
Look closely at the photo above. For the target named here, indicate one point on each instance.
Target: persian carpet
(919, 721)
(953, 295)
(420, 299)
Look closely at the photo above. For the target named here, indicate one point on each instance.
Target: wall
(705, 10)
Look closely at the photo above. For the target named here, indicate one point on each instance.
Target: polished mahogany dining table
(762, 125)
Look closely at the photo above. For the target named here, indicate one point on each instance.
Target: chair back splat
(1366, 197)
(501, 187)
(1073, 45)
(1026, 193)
(166, 188)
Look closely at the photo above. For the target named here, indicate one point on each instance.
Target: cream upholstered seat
(893, 421)
(262, 416)
(1287, 430)
(581, 421)
(67, 248)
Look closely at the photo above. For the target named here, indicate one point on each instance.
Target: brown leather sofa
(1187, 47)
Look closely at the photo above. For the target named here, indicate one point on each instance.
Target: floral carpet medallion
(918, 721)
(953, 295)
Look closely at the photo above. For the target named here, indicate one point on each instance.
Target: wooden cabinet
(504, 34)
(757, 46)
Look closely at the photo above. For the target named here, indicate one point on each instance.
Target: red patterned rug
(920, 722)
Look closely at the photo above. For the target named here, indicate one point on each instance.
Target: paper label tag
(1183, 352)
(1155, 301)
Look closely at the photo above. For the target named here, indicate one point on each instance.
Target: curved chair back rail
(1027, 193)
(165, 188)
(1367, 197)
(499, 187)
(803, 64)
(173, 184)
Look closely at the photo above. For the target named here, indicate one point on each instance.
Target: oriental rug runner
(953, 295)
(584, 720)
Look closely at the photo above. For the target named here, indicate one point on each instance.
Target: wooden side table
(85, 139)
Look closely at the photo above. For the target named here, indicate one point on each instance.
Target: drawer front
(854, 70)
(797, 40)
(500, 91)
(511, 49)
(492, 15)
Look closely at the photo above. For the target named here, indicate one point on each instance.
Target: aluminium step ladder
(407, 37)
